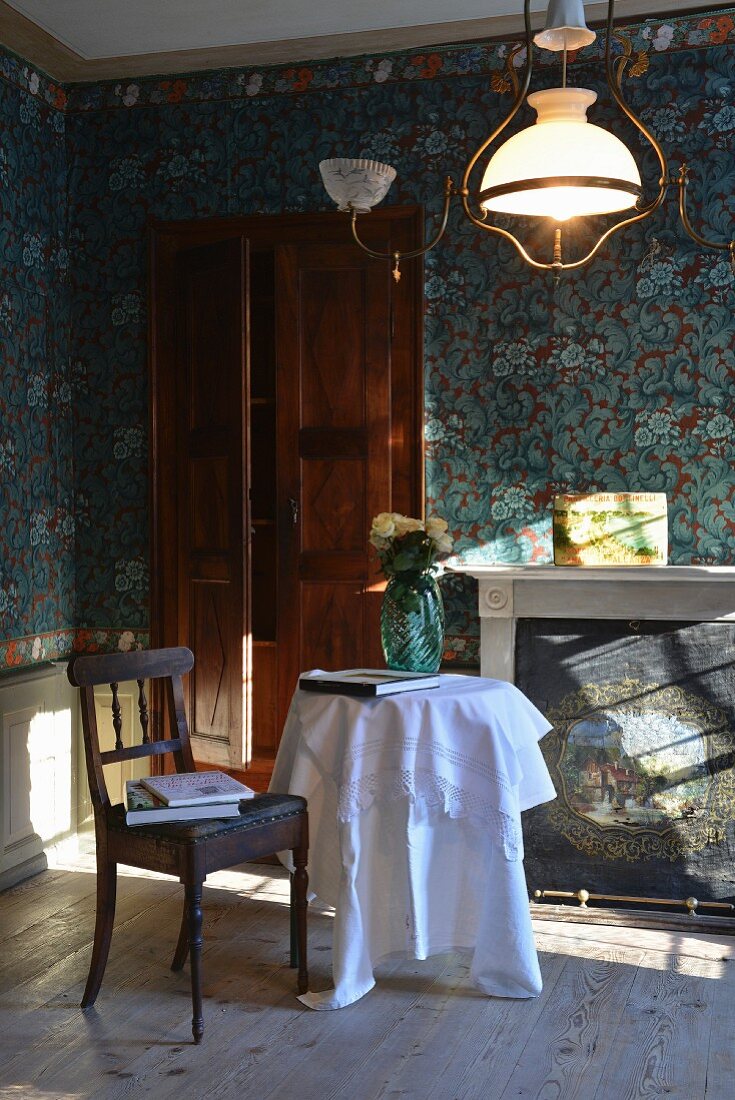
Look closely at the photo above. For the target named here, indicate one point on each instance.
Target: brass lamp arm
(521, 92)
(398, 256)
(605, 237)
(557, 266)
(614, 79)
(681, 181)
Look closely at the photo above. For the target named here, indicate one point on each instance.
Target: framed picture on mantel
(598, 529)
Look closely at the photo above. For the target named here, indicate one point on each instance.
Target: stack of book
(188, 796)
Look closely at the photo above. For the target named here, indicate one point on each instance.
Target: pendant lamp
(562, 166)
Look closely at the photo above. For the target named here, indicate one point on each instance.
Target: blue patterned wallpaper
(620, 378)
(36, 475)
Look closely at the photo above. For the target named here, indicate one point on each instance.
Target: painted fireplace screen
(642, 755)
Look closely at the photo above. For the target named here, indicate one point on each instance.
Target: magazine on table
(196, 788)
(369, 682)
(143, 808)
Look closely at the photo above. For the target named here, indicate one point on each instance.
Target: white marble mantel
(694, 593)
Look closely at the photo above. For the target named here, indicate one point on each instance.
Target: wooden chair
(268, 823)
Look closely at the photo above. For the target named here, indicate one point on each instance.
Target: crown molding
(41, 49)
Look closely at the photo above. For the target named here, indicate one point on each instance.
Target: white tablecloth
(415, 832)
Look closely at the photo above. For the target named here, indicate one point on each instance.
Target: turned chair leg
(182, 947)
(299, 904)
(293, 961)
(194, 915)
(104, 920)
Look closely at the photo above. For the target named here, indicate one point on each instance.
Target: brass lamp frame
(614, 70)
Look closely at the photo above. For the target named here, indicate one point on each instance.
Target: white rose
(436, 526)
(383, 525)
(443, 544)
(405, 525)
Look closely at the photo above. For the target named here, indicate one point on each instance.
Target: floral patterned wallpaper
(36, 474)
(622, 377)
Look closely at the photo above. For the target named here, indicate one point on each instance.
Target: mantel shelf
(673, 593)
(650, 574)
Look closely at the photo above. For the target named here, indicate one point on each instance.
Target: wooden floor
(624, 1013)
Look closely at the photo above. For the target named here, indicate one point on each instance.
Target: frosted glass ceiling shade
(561, 144)
(565, 27)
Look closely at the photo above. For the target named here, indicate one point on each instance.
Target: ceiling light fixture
(560, 167)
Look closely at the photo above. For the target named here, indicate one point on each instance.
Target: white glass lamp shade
(563, 166)
(357, 185)
(565, 28)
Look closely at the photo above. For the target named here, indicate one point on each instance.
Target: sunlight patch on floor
(671, 951)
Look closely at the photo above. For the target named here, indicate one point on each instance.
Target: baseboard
(30, 867)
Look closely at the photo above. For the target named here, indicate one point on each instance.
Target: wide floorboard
(624, 1014)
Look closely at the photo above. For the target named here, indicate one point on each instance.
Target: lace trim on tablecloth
(436, 792)
(447, 756)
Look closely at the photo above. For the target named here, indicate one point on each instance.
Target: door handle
(294, 505)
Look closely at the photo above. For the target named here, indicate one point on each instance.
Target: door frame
(166, 239)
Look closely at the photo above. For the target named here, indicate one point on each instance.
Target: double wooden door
(286, 412)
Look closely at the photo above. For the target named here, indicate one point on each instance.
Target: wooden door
(333, 324)
(212, 476)
(347, 406)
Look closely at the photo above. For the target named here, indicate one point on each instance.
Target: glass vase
(412, 623)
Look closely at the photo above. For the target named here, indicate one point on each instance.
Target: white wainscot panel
(38, 757)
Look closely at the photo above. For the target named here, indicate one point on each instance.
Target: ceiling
(107, 28)
(98, 39)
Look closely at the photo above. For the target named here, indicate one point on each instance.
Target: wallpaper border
(57, 645)
(647, 38)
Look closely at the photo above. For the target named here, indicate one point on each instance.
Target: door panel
(212, 709)
(209, 502)
(212, 457)
(333, 502)
(333, 322)
(332, 617)
(332, 345)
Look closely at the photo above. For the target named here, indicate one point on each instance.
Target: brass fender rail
(583, 896)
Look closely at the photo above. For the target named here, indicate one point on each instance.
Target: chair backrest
(168, 665)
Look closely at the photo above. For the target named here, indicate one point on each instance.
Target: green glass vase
(412, 623)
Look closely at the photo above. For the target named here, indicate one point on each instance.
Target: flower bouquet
(407, 545)
(412, 615)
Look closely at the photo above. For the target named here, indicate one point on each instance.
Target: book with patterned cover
(196, 788)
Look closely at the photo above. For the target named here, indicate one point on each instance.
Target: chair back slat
(144, 664)
(134, 752)
(116, 716)
(143, 711)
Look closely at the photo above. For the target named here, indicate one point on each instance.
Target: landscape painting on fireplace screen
(622, 767)
(639, 769)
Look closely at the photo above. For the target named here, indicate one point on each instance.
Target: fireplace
(635, 668)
